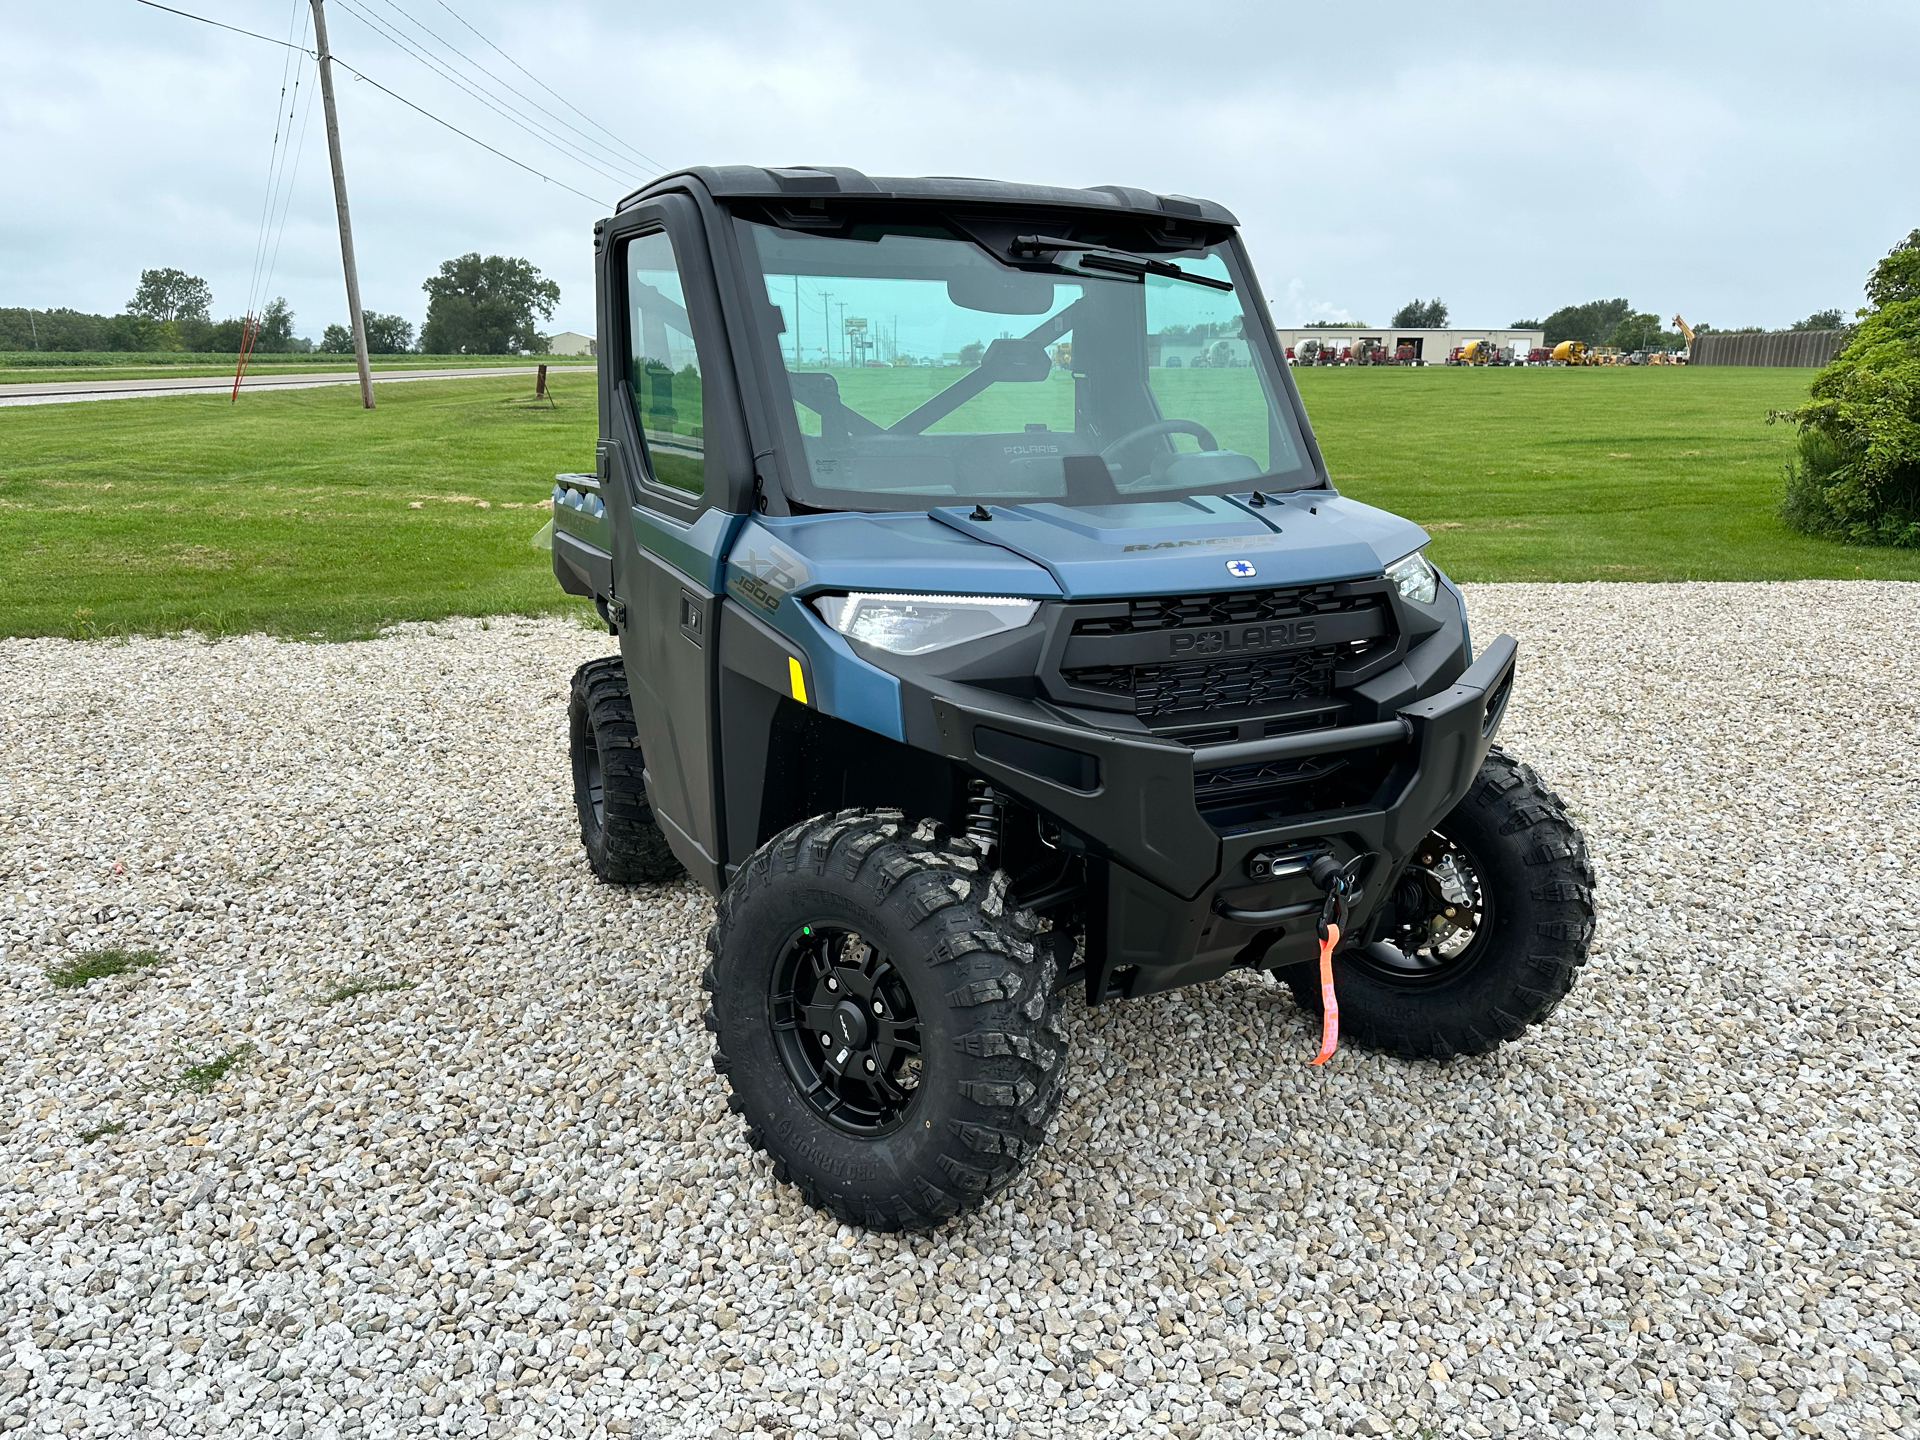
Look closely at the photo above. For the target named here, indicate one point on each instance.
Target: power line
(611, 155)
(464, 136)
(280, 174)
(250, 34)
(533, 128)
(361, 75)
(286, 194)
(550, 90)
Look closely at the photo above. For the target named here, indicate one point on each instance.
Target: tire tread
(1010, 1057)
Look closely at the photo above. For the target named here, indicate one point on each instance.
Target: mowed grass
(1609, 473)
(299, 514)
(23, 367)
(293, 512)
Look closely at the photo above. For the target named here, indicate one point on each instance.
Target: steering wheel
(1163, 427)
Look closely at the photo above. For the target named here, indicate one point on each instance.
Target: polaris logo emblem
(1241, 569)
(1279, 634)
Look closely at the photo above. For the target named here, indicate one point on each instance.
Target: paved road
(60, 392)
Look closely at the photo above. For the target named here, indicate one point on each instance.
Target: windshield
(923, 371)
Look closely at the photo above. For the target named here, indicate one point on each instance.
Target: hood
(856, 550)
(1044, 551)
(1206, 543)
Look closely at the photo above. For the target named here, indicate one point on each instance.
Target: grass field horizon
(30, 367)
(299, 514)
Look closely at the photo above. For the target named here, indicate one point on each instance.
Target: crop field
(299, 514)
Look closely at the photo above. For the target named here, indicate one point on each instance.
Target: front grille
(1237, 665)
(1232, 607)
(1215, 787)
(1274, 790)
(1190, 686)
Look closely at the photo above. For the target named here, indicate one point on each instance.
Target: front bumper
(1179, 903)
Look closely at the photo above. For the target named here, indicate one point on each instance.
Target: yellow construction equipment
(1571, 352)
(1686, 332)
(1479, 352)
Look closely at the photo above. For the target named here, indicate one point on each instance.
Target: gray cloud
(1741, 163)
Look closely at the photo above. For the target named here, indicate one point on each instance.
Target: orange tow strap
(1329, 1005)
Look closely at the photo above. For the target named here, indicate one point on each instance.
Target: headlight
(1415, 578)
(917, 624)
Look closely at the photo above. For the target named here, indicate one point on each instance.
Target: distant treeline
(76, 330)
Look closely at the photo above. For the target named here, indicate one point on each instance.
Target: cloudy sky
(1741, 163)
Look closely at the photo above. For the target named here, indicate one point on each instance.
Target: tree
(1421, 315)
(1821, 320)
(971, 353)
(1524, 325)
(171, 295)
(479, 306)
(1593, 322)
(1856, 474)
(1638, 332)
(274, 333)
(386, 334)
(1336, 325)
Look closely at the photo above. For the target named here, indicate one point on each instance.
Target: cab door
(663, 453)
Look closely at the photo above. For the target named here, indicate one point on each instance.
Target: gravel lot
(509, 1199)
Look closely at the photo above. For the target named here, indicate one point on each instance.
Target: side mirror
(815, 389)
(1015, 360)
(1002, 292)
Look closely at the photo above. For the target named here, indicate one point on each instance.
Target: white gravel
(510, 1199)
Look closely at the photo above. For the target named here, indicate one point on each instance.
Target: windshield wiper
(1120, 262)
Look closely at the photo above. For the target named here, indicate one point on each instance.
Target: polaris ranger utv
(988, 626)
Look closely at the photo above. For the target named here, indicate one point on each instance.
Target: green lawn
(296, 512)
(1612, 473)
(30, 367)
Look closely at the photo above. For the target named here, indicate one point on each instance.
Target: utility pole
(340, 204)
(826, 327)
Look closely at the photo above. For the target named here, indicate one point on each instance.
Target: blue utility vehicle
(989, 628)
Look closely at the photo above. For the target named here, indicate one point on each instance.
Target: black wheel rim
(848, 1033)
(1443, 918)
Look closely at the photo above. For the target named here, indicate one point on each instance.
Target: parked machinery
(1477, 352)
(1686, 331)
(1572, 352)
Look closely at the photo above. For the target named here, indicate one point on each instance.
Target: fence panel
(1811, 348)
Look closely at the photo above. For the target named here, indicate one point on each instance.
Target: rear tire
(623, 841)
(1525, 864)
(887, 1029)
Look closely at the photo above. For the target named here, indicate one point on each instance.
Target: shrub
(1856, 474)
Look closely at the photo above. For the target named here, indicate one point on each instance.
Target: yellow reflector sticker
(796, 680)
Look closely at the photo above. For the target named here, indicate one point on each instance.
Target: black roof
(816, 181)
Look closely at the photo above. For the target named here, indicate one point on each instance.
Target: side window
(663, 369)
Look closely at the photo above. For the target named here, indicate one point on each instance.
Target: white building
(572, 342)
(1430, 347)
